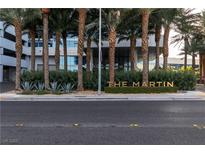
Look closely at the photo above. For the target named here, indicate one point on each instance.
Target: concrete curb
(189, 96)
(103, 99)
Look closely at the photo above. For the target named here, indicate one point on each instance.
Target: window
(72, 62)
(11, 37)
(39, 44)
(72, 43)
(50, 67)
(1, 33)
(12, 53)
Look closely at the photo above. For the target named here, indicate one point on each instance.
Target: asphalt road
(110, 122)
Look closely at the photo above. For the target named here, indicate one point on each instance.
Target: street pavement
(103, 122)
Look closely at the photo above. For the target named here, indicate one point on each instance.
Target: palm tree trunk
(43, 59)
(133, 52)
(33, 51)
(185, 52)
(18, 31)
(88, 57)
(157, 40)
(81, 29)
(57, 52)
(203, 67)
(145, 22)
(166, 46)
(64, 35)
(193, 61)
(112, 41)
(185, 60)
(200, 68)
(45, 48)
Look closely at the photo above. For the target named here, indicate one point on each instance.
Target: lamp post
(99, 55)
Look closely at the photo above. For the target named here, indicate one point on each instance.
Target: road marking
(199, 126)
(134, 125)
(76, 125)
(19, 124)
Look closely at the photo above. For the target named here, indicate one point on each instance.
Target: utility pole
(99, 54)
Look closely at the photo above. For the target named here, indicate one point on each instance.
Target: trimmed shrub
(60, 76)
(91, 83)
(184, 80)
(33, 77)
(129, 90)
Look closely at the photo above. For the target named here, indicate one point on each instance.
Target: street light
(99, 55)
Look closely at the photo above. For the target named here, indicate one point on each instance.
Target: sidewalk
(93, 96)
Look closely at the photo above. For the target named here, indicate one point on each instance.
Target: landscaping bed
(62, 82)
(131, 90)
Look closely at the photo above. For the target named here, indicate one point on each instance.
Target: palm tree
(112, 19)
(156, 20)
(202, 53)
(185, 25)
(64, 37)
(168, 16)
(59, 21)
(197, 45)
(145, 22)
(157, 41)
(33, 19)
(45, 13)
(16, 17)
(129, 29)
(56, 26)
(68, 24)
(91, 34)
(81, 29)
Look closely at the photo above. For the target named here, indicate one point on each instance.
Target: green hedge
(129, 90)
(184, 80)
(59, 76)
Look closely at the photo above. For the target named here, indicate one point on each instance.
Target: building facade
(8, 53)
(72, 57)
(122, 60)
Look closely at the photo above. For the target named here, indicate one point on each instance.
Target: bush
(91, 83)
(129, 90)
(60, 76)
(183, 79)
(33, 77)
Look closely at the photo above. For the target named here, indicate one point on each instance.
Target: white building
(8, 53)
(71, 54)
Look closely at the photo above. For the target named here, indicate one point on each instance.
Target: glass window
(72, 62)
(72, 43)
(1, 33)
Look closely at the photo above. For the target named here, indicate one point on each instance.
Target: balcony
(4, 43)
(11, 61)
